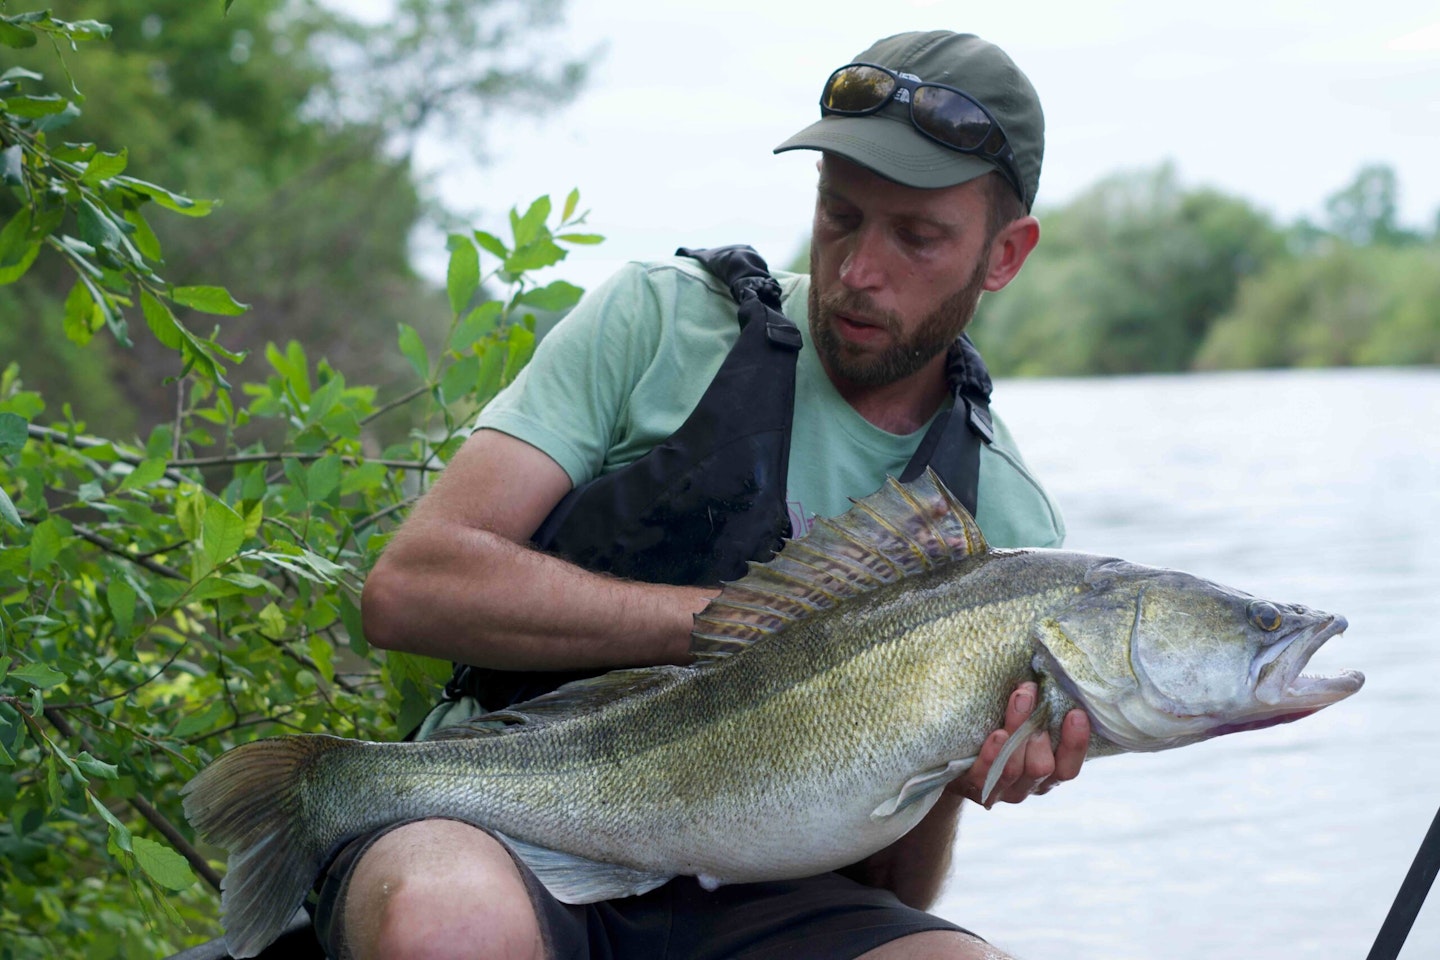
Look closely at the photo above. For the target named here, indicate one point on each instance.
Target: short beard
(906, 355)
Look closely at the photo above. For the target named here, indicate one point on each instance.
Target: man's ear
(1009, 250)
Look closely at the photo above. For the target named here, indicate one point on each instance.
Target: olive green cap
(886, 141)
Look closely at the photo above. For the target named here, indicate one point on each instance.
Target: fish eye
(1264, 615)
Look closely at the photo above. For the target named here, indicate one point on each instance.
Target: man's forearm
(473, 596)
(915, 866)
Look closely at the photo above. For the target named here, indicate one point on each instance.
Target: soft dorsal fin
(898, 531)
(577, 698)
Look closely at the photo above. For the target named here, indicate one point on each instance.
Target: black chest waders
(712, 496)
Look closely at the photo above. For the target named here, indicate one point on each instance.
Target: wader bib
(712, 496)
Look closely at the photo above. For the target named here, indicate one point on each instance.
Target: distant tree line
(1141, 274)
(301, 119)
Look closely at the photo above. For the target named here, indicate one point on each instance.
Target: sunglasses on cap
(950, 117)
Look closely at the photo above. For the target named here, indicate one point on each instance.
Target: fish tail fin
(249, 801)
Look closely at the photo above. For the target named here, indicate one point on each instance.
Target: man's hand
(1034, 769)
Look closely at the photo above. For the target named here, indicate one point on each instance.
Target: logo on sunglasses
(903, 94)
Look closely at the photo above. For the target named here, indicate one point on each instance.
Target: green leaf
(459, 379)
(477, 323)
(144, 237)
(535, 256)
(39, 675)
(528, 228)
(518, 350)
(588, 239)
(414, 350)
(45, 544)
(324, 656)
(105, 166)
(97, 229)
(491, 244)
(272, 622)
(216, 300)
(81, 318)
(119, 833)
(161, 321)
(222, 533)
(463, 276)
(190, 510)
(97, 768)
(8, 511)
(571, 202)
(170, 201)
(554, 297)
(14, 432)
(163, 865)
(13, 36)
(145, 473)
(18, 248)
(322, 478)
(350, 616)
(120, 597)
(33, 107)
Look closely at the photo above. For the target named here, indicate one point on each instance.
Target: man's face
(896, 272)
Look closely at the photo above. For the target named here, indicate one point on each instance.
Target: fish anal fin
(920, 786)
(898, 531)
(574, 879)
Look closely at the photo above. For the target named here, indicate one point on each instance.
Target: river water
(1316, 487)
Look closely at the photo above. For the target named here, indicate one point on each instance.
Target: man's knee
(439, 889)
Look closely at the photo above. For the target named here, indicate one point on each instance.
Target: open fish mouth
(1280, 684)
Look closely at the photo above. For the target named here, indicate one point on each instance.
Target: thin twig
(284, 455)
(399, 401)
(110, 546)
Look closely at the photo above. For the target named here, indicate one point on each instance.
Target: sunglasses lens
(857, 89)
(951, 118)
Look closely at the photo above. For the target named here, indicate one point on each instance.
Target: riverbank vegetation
(1141, 274)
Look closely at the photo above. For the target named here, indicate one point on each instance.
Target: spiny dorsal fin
(898, 531)
(577, 698)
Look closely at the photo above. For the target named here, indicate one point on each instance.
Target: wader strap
(952, 444)
(747, 275)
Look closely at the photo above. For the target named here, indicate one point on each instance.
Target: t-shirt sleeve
(571, 399)
(1014, 509)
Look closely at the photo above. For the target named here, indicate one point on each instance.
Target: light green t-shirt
(626, 367)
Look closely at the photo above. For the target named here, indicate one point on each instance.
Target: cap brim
(892, 148)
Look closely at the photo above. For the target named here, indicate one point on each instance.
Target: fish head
(1160, 659)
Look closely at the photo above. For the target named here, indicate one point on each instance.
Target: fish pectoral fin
(575, 879)
(920, 786)
(1016, 742)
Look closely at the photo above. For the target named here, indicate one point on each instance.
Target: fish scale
(837, 689)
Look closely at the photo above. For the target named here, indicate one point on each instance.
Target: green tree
(1128, 277)
(1365, 211)
(165, 597)
(303, 119)
(1347, 305)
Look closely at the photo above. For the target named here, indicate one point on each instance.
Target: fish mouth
(1280, 684)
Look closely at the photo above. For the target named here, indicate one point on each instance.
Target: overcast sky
(1279, 101)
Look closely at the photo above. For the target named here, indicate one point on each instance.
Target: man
(930, 155)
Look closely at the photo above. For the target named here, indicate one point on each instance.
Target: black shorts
(828, 917)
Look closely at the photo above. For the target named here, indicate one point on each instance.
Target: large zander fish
(836, 690)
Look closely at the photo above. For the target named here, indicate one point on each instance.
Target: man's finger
(1020, 706)
(1074, 741)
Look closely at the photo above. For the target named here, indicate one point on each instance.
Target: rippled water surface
(1317, 487)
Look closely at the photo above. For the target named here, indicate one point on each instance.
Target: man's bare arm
(459, 583)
